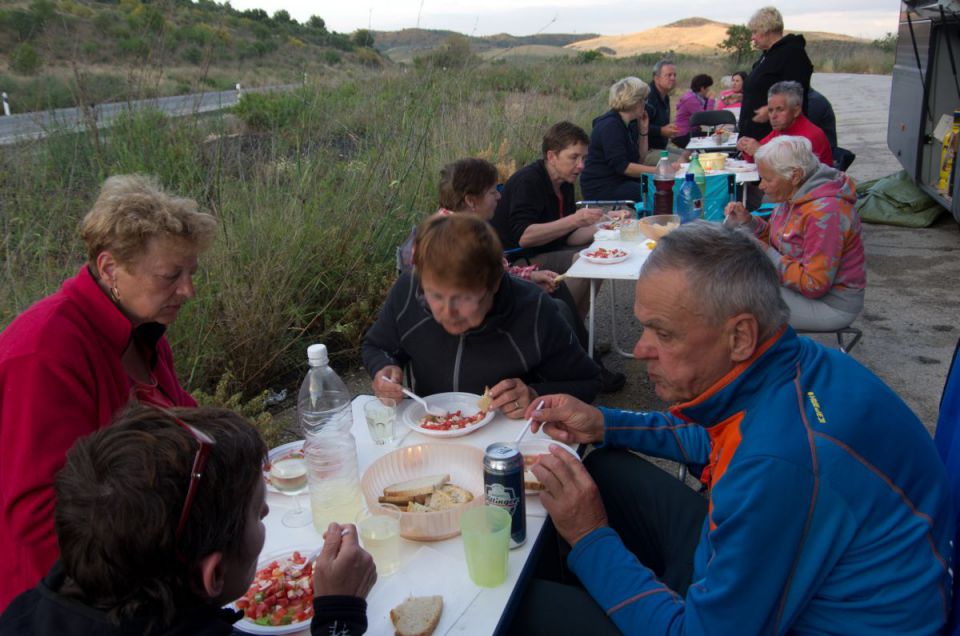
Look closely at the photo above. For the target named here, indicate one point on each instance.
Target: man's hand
(543, 278)
(736, 212)
(570, 495)
(512, 397)
(761, 115)
(587, 216)
(343, 567)
(384, 388)
(748, 145)
(670, 130)
(567, 419)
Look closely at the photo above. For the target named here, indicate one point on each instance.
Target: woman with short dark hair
(696, 100)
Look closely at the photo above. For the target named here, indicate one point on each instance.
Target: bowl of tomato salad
(280, 598)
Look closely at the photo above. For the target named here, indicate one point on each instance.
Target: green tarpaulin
(896, 200)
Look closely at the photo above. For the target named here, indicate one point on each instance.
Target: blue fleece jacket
(829, 508)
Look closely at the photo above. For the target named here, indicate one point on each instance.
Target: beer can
(503, 486)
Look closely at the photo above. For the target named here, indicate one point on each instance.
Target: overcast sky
(863, 18)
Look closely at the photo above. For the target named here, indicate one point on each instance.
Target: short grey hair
(659, 65)
(787, 153)
(627, 93)
(792, 91)
(727, 271)
(766, 20)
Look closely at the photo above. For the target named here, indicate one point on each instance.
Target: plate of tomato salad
(280, 598)
(462, 415)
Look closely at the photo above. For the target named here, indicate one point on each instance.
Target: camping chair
(947, 441)
(721, 190)
(846, 346)
(713, 118)
(842, 158)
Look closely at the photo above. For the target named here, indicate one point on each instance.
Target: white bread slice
(413, 506)
(530, 481)
(485, 401)
(417, 616)
(415, 487)
(440, 500)
(403, 500)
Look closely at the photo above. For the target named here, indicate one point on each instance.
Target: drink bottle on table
(689, 200)
(663, 185)
(699, 176)
(325, 416)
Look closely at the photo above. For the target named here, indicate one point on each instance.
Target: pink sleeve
(812, 274)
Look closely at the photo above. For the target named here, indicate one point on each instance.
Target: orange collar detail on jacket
(724, 440)
(730, 376)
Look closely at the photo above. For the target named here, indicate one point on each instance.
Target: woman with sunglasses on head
(159, 519)
(458, 322)
(73, 359)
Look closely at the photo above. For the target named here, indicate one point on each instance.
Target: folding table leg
(613, 322)
(590, 317)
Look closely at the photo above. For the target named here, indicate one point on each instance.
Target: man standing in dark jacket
(784, 57)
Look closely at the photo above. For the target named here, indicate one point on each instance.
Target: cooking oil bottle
(948, 155)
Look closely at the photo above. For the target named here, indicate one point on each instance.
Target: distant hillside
(404, 45)
(121, 49)
(693, 36)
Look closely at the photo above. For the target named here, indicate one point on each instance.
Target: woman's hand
(761, 115)
(343, 567)
(512, 397)
(384, 388)
(643, 121)
(544, 279)
(587, 216)
(748, 145)
(737, 213)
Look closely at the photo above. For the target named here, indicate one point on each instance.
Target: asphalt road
(26, 126)
(911, 321)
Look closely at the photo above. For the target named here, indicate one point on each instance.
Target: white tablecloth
(441, 568)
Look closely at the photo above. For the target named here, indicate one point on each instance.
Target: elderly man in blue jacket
(826, 506)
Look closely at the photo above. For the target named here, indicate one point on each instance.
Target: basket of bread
(432, 484)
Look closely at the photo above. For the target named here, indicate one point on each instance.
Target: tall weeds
(312, 199)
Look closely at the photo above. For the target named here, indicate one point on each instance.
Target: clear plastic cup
(381, 416)
(379, 531)
(486, 542)
(630, 230)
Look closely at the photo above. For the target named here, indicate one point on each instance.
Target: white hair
(787, 153)
(766, 20)
(625, 94)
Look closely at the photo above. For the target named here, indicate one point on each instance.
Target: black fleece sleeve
(381, 345)
(565, 367)
(340, 615)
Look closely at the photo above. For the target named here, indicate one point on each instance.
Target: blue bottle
(689, 200)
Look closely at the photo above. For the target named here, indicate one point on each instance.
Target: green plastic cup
(486, 542)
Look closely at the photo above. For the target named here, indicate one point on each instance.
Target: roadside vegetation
(314, 189)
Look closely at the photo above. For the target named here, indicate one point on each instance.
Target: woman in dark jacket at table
(458, 322)
(71, 360)
(618, 142)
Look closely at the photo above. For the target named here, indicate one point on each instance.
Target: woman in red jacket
(74, 358)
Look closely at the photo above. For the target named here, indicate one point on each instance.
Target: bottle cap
(317, 355)
(689, 176)
(664, 153)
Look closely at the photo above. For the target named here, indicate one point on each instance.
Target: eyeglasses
(196, 473)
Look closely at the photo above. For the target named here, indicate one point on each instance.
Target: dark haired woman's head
(121, 497)
(700, 82)
(469, 185)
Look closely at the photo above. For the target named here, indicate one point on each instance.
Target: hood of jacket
(789, 41)
(826, 182)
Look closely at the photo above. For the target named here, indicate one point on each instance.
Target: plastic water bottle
(698, 174)
(689, 200)
(330, 451)
(663, 184)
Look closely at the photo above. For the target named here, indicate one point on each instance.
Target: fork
(431, 410)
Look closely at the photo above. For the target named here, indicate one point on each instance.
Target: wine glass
(289, 476)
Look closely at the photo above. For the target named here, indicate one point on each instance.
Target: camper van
(924, 95)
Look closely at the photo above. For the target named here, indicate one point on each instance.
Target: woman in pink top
(695, 100)
(73, 359)
(731, 97)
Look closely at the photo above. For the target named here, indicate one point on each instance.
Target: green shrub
(369, 57)
(24, 59)
(587, 57)
(331, 58)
